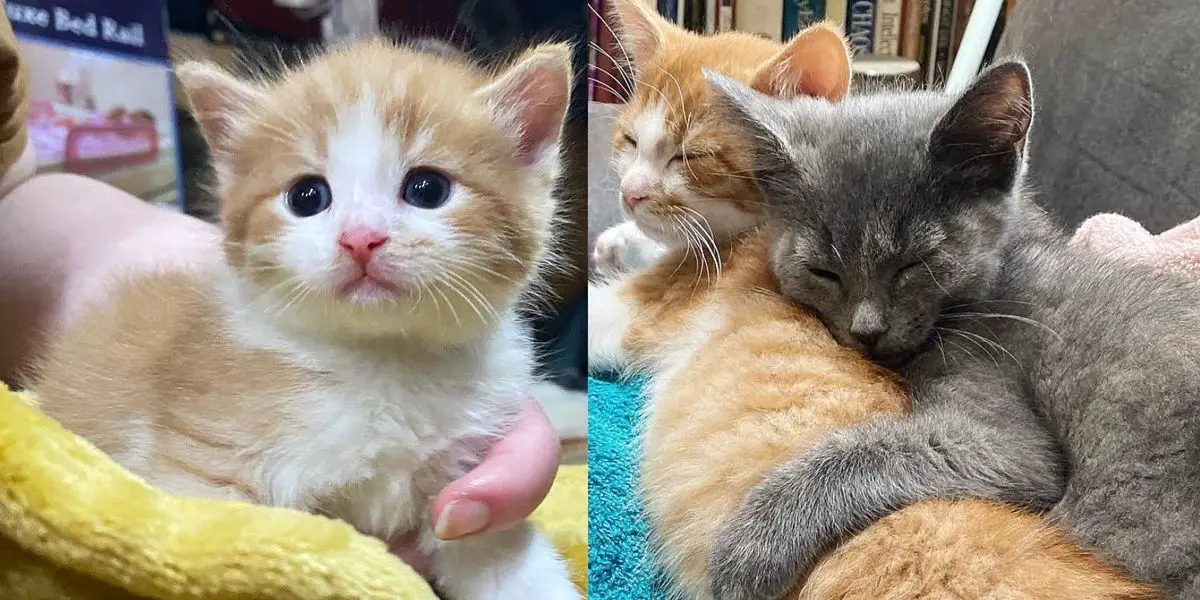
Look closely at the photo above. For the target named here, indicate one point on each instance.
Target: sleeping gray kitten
(1041, 375)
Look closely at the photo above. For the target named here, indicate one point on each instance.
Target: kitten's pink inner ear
(814, 63)
(534, 94)
(217, 99)
(640, 29)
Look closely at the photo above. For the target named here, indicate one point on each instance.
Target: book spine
(941, 54)
(860, 28)
(669, 9)
(798, 14)
(694, 16)
(887, 27)
(605, 73)
(962, 14)
(911, 21)
(710, 16)
(764, 17)
(835, 12)
(929, 61)
(725, 11)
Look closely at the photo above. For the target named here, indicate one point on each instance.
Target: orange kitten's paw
(623, 248)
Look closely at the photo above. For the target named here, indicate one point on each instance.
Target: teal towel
(619, 567)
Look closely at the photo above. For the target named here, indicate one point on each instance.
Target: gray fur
(1041, 374)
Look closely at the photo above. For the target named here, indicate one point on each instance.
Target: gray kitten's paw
(749, 562)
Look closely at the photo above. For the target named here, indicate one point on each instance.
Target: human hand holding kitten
(500, 493)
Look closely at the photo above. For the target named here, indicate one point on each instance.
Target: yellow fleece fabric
(75, 525)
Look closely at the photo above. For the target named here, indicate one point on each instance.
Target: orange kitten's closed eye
(684, 174)
(384, 189)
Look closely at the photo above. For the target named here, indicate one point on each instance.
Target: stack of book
(928, 32)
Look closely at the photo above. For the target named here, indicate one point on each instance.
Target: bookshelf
(920, 39)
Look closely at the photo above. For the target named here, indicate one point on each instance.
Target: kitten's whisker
(1027, 320)
(474, 291)
(701, 250)
(604, 85)
(941, 346)
(617, 38)
(931, 276)
(454, 288)
(438, 290)
(705, 234)
(979, 340)
(966, 304)
(965, 350)
(474, 266)
(619, 78)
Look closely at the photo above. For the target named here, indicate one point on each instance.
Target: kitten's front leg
(518, 564)
(842, 485)
(610, 316)
(623, 248)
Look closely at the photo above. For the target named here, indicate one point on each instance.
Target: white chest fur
(384, 427)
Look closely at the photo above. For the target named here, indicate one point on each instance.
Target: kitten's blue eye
(309, 196)
(426, 188)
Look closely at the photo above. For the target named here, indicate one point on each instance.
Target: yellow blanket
(74, 525)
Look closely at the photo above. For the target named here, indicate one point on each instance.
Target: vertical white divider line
(965, 67)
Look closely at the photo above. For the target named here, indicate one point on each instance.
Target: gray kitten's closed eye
(1041, 375)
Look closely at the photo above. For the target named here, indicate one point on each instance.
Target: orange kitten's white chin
(369, 289)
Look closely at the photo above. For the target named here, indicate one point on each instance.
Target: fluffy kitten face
(684, 171)
(889, 208)
(380, 190)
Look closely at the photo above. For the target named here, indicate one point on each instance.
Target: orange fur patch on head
(363, 117)
(671, 146)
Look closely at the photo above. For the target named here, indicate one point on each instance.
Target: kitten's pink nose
(361, 242)
(632, 196)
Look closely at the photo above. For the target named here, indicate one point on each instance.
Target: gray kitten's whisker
(931, 276)
(1026, 320)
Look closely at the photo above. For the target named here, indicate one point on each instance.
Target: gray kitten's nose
(867, 325)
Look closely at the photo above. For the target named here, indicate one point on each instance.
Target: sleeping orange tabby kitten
(739, 379)
(383, 210)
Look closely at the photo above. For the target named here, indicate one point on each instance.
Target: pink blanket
(1176, 250)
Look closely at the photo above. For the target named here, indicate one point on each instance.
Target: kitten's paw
(540, 589)
(622, 248)
(509, 565)
(749, 562)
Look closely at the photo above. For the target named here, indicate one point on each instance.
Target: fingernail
(462, 518)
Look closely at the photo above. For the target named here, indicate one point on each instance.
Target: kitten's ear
(816, 62)
(532, 96)
(640, 29)
(217, 99)
(982, 138)
(757, 115)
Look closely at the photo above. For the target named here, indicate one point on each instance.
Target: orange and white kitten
(740, 380)
(383, 211)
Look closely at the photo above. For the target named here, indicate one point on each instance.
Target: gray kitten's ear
(982, 138)
(756, 114)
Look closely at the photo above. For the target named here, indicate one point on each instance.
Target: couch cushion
(1117, 127)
